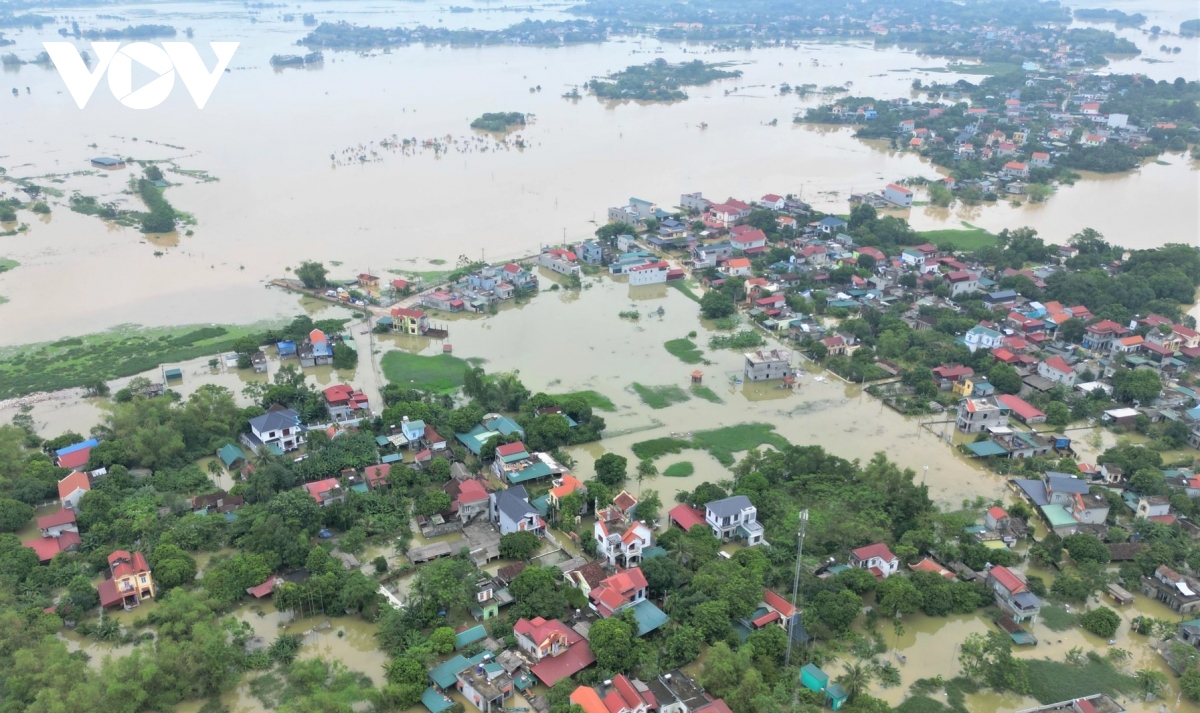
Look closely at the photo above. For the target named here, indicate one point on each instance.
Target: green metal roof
(649, 617)
(230, 454)
(985, 449)
(533, 472)
(475, 439)
(445, 674)
(1058, 516)
(470, 636)
(434, 701)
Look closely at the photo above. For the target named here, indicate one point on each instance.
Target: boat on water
(901, 658)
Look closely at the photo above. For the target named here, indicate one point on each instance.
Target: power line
(795, 618)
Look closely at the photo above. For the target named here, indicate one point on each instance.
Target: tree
(312, 274)
(442, 640)
(663, 575)
(988, 658)
(14, 515)
(1057, 414)
(711, 618)
(1140, 385)
(431, 502)
(1086, 548)
(1005, 378)
(172, 566)
(1190, 684)
(82, 594)
(855, 679)
(1149, 681)
(648, 506)
(898, 596)
(682, 644)
(519, 545)
(835, 610)
(445, 584)
(612, 642)
(724, 670)
(1148, 481)
(344, 356)
(716, 304)
(1072, 330)
(537, 593)
(611, 469)
(1101, 621)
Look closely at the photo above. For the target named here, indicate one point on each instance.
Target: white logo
(164, 61)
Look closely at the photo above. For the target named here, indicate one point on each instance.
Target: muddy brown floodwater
(268, 137)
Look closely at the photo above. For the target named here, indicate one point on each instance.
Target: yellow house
(130, 581)
(964, 387)
(1018, 137)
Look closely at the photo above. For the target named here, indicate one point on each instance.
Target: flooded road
(279, 197)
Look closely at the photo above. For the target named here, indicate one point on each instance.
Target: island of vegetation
(659, 80)
(297, 60)
(345, 36)
(1031, 129)
(1121, 19)
(130, 32)
(499, 121)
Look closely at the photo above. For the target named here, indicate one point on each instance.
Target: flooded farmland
(279, 197)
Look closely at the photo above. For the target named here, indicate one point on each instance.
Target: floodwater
(268, 137)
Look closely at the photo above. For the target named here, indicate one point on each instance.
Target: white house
(1056, 369)
(279, 427)
(898, 195)
(912, 258)
(737, 267)
(693, 201)
(772, 201)
(650, 273)
(620, 538)
(561, 261)
(734, 518)
(877, 559)
(1149, 506)
(981, 337)
(744, 237)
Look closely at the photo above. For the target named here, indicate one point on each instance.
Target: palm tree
(214, 468)
(856, 679)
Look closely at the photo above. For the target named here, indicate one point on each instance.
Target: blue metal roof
(89, 443)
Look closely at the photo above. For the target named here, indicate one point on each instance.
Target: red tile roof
(624, 501)
(929, 565)
(717, 706)
(778, 603)
(74, 481)
(553, 669)
(1058, 364)
(75, 459)
(321, 486)
(686, 516)
(765, 619)
(62, 517)
(1007, 579)
(47, 547)
(1020, 407)
(377, 474)
(510, 449)
(587, 699)
(618, 590)
(878, 549)
(472, 491)
(997, 513)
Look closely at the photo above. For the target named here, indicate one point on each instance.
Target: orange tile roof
(75, 481)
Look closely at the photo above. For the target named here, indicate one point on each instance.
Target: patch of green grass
(657, 447)
(3, 299)
(437, 261)
(685, 350)
(657, 397)
(679, 470)
(683, 287)
(441, 372)
(6, 264)
(966, 239)
(1051, 681)
(722, 443)
(123, 351)
(598, 401)
(707, 394)
(988, 68)
(1057, 618)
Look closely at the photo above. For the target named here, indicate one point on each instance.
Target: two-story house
(409, 320)
(564, 262)
(1012, 594)
(558, 650)
(769, 364)
(1057, 370)
(981, 337)
(485, 684)
(72, 487)
(734, 518)
(1101, 335)
(961, 282)
(512, 512)
(876, 559)
(468, 498)
(279, 427)
(128, 580)
(621, 590)
(59, 534)
(975, 415)
(620, 539)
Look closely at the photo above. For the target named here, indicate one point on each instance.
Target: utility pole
(796, 586)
